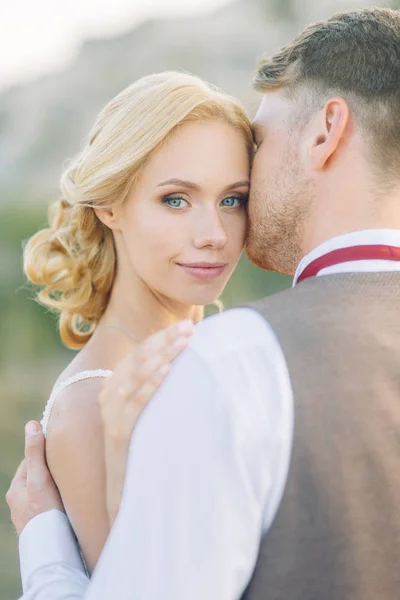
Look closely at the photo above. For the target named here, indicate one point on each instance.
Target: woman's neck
(142, 312)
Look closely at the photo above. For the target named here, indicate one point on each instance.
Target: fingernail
(185, 327)
(164, 370)
(180, 343)
(31, 428)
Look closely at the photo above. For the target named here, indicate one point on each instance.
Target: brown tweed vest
(336, 535)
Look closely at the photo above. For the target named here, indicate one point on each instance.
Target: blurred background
(60, 63)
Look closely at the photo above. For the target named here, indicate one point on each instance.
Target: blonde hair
(74, 259)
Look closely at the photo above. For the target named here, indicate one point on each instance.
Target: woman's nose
(210, 232)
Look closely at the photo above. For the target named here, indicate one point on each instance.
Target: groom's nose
(210, 231)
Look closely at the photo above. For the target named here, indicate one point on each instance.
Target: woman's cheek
(166, 239)
(237, 233)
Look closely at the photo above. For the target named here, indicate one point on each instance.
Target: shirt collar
(389, 237)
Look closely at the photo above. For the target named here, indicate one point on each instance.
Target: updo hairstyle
(74, 259)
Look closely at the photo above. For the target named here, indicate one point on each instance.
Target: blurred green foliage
(30, 356)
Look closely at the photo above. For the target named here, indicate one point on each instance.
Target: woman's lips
(203, 270)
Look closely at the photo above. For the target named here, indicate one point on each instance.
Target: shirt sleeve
(50, 562)
(207, 467)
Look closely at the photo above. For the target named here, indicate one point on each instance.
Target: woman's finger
(153, 361)
(152, 346)
(150, 370)
(146, 391)
(160, 348)
(158, 341)
(120, 427)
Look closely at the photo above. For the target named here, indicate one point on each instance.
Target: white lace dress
(62, 385)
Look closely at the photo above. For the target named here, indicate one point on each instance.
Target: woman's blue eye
(233, 201)
(174, 202)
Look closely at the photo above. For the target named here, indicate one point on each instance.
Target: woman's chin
(202, 298)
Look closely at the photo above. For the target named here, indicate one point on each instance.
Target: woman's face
(183, 225)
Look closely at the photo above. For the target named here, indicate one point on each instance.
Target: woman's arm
(75, 455)
(89, 434)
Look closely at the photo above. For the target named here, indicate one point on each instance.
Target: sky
(39, 36)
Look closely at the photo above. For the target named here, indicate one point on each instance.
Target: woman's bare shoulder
(74, 441)
(87, 359)
(74, 396)
(75, 410)
(75, 456)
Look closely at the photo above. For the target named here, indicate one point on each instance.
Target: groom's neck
(349, 211)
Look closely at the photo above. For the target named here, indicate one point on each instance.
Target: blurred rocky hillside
(43, 123)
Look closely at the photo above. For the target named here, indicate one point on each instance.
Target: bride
(150, 227)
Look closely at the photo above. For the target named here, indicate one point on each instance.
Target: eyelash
(166, 199)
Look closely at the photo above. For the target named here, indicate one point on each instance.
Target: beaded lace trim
(62, 385)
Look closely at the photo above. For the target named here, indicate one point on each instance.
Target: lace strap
(62, 385)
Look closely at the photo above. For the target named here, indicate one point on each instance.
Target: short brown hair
(354, 54)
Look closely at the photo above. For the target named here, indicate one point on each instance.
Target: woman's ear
(108, 216)
(328, 131)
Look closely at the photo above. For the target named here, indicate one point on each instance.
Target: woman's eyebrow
(237, 184)
(196, 187)
(180, 182)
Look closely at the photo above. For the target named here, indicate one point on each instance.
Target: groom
(237, 487)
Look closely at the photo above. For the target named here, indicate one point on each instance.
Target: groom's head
(327, 134)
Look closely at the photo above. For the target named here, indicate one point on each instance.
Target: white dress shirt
(386, 237)
(207, 468)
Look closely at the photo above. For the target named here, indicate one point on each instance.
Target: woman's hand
(125, 395)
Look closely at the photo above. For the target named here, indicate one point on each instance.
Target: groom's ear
(328, 132)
